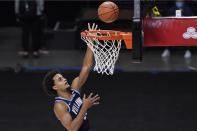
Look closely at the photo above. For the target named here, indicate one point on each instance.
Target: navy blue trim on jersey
(64, 100)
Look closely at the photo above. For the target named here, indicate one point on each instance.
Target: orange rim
(114, 35)
(127, 37)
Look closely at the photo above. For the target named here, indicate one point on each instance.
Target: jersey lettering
(76, 105)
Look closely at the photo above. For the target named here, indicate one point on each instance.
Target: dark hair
(48, 83)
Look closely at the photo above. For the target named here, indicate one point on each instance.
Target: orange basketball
(108, 12)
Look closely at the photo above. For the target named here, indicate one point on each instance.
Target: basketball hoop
(105, 45)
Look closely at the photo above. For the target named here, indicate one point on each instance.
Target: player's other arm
(62, 113)
(86, 67)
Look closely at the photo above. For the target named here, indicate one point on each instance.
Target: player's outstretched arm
(65, 117)
(86, 67)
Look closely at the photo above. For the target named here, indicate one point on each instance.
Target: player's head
(53, 82)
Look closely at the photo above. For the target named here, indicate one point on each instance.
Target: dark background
(129, 102)
(68, 11)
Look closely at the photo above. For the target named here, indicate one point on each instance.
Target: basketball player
(69, 108)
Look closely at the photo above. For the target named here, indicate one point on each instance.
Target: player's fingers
(89, 26)
(95, 103)
(90, 95)
(84, 96)
(95, 96)
(96, 99)
(96, 27)
(93, 26)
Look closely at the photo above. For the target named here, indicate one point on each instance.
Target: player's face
(61, 83)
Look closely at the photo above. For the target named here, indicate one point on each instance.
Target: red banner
(168, 31)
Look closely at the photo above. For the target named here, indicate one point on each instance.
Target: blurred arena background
(156, 95)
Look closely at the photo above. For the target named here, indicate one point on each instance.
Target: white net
(106, 53)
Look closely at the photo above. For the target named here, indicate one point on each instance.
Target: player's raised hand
(90, 100)
(94, 27)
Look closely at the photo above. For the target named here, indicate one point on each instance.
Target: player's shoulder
(60, 109)
(60, 105)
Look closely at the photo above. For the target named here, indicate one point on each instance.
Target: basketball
(108, 12)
